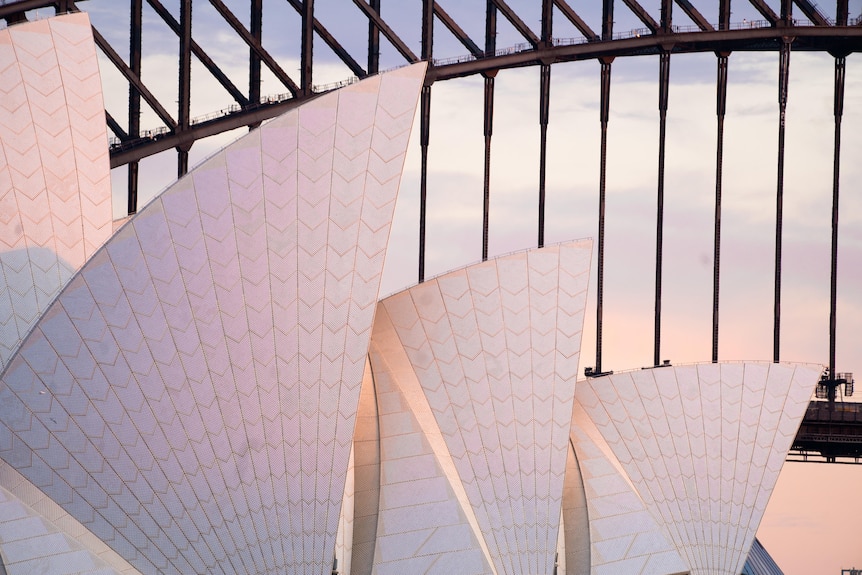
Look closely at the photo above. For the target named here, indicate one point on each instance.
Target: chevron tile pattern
(621, 535)
(425, 524)
(55, 196)
(495, 349)
(56, 520)
(191, 395)
(702, 446)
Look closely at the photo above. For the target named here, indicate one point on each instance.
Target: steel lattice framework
(798, 25)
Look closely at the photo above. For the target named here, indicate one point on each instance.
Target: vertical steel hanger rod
(185, 87)
(720, 109)
(663, 89)
(254, 61)
(488, 130)
(424, 131)
(488, 124)
(840, 65)
(600, 273)
(783, 74)
(374, 41)
(425, 128)
(306, 56)
(135, 18)
(544, 106)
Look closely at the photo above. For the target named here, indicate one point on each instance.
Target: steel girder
(841, 35)
(838, 34)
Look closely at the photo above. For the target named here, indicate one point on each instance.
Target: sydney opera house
(215, 385)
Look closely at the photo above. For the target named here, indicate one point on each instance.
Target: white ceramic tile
(715, 498)
(36, 125)
(504, 429)
(198, 349)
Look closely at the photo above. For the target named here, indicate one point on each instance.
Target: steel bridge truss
(798, 25)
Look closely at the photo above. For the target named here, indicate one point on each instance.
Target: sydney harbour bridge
(457, 45)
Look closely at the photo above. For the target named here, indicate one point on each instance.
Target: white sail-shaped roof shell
(190, 396)
(493, 351)
(702, 446)
(621, 535)
(55, 191)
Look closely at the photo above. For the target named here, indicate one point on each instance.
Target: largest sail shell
(190, 396)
